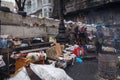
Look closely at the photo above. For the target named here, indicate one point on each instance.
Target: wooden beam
(32, 50)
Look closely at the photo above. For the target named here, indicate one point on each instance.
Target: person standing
(116, 37)
(98, 45)
(76, 33)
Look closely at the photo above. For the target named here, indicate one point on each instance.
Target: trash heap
(21, 55)
(46, 60)
(41, 59)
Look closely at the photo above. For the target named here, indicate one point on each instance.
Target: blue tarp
(79, 60)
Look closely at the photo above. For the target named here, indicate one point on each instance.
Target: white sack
(2, 63)
(45, 72)
(22, 75)
(49, 72)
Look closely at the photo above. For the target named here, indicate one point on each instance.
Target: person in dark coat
(76, 33)
(98, 45)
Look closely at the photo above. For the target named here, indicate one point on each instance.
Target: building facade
(93, 11)
(10, 5)
(39, 8)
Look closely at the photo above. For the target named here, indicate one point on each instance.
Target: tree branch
(20, 4)
(23, 4)
(17, 2)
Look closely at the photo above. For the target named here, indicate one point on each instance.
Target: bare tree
(0, 3)
(20, 4)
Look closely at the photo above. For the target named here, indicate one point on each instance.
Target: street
(86, 70)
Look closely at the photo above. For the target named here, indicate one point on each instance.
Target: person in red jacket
(79, 51)
(83, 29)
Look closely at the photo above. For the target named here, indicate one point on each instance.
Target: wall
(20, 31)
(107, 15)
(76, 5)
(16, 25)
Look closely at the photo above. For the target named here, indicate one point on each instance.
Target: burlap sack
(55, 51)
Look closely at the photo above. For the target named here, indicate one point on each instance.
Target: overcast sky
(9, 0)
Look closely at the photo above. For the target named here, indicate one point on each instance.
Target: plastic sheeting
(45, 72)
(49, 72)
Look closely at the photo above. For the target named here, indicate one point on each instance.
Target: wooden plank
(31, 50)
(44, 43)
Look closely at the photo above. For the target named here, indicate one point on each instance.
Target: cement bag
(21, 75)
(49, 72)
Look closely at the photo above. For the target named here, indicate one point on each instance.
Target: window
(45, 12)
(44, 1)
(50, 9)
(34, 5)
(49, 1)
(29, 4)
(39, 3)
(50, 12)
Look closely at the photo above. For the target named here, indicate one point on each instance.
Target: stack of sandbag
(55, 51)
